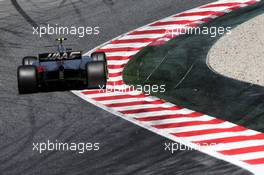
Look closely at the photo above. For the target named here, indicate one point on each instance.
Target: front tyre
(96, 74)
(27, 79)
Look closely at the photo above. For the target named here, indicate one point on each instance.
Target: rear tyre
(96, 74)
(27, 79)
(98, 56)
(29, 60)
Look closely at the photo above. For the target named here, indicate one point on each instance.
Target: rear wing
(59, 56)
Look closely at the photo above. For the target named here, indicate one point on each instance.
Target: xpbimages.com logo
(147, 89)
(80, 147)
(212, 31)
(80, 31)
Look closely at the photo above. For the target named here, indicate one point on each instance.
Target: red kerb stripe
(115, 97)
(115, 83)
(221, 5)
(154, 109)
(232, 139)
(137, 40)
(114, 74)
(121, 49)
(163, 117)
(209, 131)
(205, 13)
(117, 58)
(183, 124)
(180, 22)
(135, 103)
(109, 66)
(255, 161)
(142, 32)
(244, 150)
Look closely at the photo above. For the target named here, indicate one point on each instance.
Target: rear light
(40, 69)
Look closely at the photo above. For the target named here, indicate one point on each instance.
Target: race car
(63, 65)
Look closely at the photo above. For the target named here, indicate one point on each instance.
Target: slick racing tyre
(98, 56)
(96, 74)
(27, 79)
(29, 60)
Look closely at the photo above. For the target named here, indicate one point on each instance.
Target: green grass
(180, 65)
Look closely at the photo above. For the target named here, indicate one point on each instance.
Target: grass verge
(180, 65)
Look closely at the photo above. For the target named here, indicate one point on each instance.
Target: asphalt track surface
(24, 119)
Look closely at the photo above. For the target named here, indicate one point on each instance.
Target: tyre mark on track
(108, 2)
(24, 14)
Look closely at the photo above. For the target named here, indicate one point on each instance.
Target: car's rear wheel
(96, 74)
(27, 79)
(29, 60)
(98, 56)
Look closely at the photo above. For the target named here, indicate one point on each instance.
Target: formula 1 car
(62, 66)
